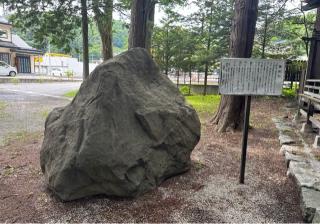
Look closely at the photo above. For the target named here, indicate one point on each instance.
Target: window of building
(3, 33)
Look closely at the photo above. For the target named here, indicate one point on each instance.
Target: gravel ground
(209, 192)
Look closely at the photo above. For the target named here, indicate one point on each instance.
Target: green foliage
(69, 74)
(185, 90)
(289, 93)
(120, 40)
(190, 43)
(56, 24)
(208, 103)
(279, 30)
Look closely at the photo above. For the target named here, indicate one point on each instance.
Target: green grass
(15, 80)
(44, 113)
(71, 94)
(208, 103)
(14, 136)
(3, 106)
(20, 136)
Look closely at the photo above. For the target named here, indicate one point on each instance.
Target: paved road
(24, 107)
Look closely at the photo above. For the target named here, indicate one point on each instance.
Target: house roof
(16, 40)
(19, 45)
(311, 4)
(3, 20)
(7, 44)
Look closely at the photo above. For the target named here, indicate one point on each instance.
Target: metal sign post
(245, 138)
(247, 77)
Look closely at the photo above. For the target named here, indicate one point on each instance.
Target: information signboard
(246, 76)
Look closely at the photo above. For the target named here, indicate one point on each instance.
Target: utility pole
(85, 39)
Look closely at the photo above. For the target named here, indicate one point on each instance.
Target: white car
(56, 72)
(6, 69)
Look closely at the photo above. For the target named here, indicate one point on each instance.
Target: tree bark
(142, 22)
(85, 39)
(206, 69)
(178, 77)
(103, 16)
(264, 41)
(230, 113)
(190, 76)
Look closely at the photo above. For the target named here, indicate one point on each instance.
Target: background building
(14, 50)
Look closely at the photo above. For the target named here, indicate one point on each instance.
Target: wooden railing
(312, 88)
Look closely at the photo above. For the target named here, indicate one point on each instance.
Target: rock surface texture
(126, 131)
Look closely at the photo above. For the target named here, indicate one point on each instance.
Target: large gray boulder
(127, 130)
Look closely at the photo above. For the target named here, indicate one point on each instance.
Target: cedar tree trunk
(231, 108)
(206, 69)
(103, 16)
(85, 41)
(142, 21)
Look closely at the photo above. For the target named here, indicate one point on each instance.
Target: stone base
(297, 119)
(316, 143)
(316, 218)
(309, 204)
(306, 128)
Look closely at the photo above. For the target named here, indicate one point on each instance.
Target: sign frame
(247, 76)
(272, 88)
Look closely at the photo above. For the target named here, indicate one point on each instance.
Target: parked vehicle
(56, 72)
(6, 69)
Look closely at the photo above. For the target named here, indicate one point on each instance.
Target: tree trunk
(178, 77)
(103, 17)
(206, 69)
(85, 41)
(264, 41)
(231, 108)
(167, 50)
(190, 74)
(142, 21)
(208, 49)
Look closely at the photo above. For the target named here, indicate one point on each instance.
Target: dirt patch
(209, 192)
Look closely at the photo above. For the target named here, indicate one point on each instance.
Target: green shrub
(69, 74)
(289, 93)
(185, 90)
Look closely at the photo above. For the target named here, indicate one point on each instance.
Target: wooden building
(14, 50)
